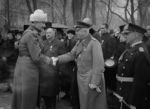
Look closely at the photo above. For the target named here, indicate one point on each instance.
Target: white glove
(132, 107)
(93, 86)
(54, 59)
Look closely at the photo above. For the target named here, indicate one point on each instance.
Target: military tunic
(49, 81)
(26, 75)
(90, 63)
(133, 76)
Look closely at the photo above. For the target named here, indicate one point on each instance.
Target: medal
(51, 48)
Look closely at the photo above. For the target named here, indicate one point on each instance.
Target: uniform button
(126, 59)
(79, 56)
(122, 74)
(120, 88)
(131, 53)
(123, 67)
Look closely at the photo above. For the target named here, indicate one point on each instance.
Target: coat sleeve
(70, 56)
(98, 63)
(141, 76)
(35, 50)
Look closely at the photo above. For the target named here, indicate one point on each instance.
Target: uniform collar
(86, 40)
(34, 28)
(136, 43)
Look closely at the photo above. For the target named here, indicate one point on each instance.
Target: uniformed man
(88, 54)
(49, 76)
(26, 75)
(133, 71)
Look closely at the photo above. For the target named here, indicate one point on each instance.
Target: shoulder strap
(147, 54)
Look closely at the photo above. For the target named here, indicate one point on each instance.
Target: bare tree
(143, 13)
(64, 2)
(93, 15)
(31, 5)
(77, 10)
(86, 8)
(115, 13)
(8, 15)
(52, 10)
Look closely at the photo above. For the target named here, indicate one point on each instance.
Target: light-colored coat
(26, 75)
(90, 62)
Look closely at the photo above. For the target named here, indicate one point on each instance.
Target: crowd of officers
(126, 53)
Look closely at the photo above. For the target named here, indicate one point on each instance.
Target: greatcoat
(26, 75)
(90, 63)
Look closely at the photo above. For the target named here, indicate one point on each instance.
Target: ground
(5, 100)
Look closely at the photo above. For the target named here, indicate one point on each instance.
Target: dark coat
(134, 64)
(49, 78)
(109, 46)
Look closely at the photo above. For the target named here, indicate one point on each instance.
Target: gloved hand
(4, 58)
(132, 107)
(93, 86)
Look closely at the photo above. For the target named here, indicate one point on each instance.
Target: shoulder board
(78, 42)
(141, 49)
(93, 39)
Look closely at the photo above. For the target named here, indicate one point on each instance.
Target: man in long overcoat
(26, 76)
(88, 54)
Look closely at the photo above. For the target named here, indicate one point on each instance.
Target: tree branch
(113, 11)
(118, 5)
(51, 5)
(29, 6)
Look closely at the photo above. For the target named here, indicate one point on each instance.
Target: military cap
(72, 31)
(25, 27)
(121, 27)
(48, 25)
(133, 28)
(147, 34)
(85, 23)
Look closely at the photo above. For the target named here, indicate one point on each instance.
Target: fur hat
(39, 16)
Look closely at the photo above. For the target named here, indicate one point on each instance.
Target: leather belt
(124, 79)
(21, 55)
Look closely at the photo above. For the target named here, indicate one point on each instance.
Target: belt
(124, 79)
(21, 55)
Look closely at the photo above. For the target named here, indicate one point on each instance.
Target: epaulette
(146, 52)
(93, 39)
(141, 49)
(78, 42)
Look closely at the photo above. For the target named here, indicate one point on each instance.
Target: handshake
(52, 60)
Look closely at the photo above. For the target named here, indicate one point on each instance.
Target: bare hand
(54, 59)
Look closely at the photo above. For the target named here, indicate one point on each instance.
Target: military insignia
(51, 47)
(141, 49)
